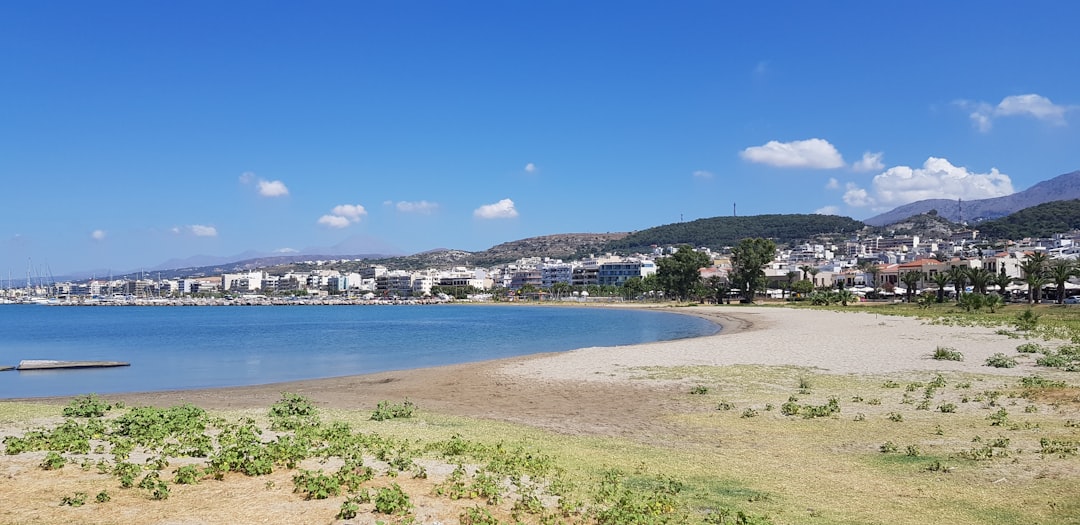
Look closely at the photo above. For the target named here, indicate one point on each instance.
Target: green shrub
(89, 405)
(385, 410)
(53, 461)
(292, 411)
(699, 390)
(1000, 360)
(315, 485)
(1031, 348)
(944, 353)
(76, 500)
(1040, 382)
(1026, 321)
(392, 500)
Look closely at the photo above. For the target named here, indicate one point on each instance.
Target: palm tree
(979, 278)
(813, 274)
(844, 296)
(911, 281)
(940, 280)
(958, 276)
(1059, 271)
(805, 270)
(1034, 268)
(1002, 281)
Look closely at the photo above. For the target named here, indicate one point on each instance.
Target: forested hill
(1043, 220)
(718, 232)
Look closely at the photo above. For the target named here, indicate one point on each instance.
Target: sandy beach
(594, 390)
(617, 398)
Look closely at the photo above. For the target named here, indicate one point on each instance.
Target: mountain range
(1062, 187)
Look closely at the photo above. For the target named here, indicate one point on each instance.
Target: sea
(188, 347)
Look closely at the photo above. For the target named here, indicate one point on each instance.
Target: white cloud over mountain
(811, 153)
(936, 179)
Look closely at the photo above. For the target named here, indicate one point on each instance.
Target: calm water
(197, 347)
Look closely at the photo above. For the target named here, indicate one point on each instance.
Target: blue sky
(132, 133)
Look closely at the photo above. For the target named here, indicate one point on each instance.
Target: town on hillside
(898, 267)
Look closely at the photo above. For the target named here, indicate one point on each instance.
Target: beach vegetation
(89, 405)
(945, 353)
(386, 410)
(1000, 360)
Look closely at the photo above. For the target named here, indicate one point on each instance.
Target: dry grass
(795, 470)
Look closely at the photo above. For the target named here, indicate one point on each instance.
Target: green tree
(979, 278)
(940, 279)
(632, 288)
(791, 276)
(747, 262)
(958, 275)
(1059, 271)
(911, 281)
(718, 287)
(1034, 269)
(1002, 281)
(678, 274)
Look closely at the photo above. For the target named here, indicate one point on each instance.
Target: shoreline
(856, 342)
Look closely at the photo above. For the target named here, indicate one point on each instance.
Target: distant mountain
(717, 232)
(1062, 187)
(927, 226)
(558, 246)
(1043, 220)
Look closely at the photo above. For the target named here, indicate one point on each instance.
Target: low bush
(1000, 360)
(944, 353)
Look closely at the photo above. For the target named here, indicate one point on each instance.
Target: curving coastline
(545, 390)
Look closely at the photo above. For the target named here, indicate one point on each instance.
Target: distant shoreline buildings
(872, 263)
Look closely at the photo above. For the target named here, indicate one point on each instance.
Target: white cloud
(265, 188)
(503, 209)
(197, 230)
(936, 179)
(353, 212)
(334, 221)
(286, 250)
(272, 188)
(423, 207)
(98, 235)
(856, 196)
(811, 153)
(203, 231)
(343, 215)
(833, 184)
(869, 162)
(828, 210)
(702, 174)
(1030, 105)
(531, 168)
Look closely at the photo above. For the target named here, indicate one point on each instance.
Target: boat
(52, 364)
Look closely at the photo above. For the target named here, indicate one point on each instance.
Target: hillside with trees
(1043, 220)
(718, 232)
